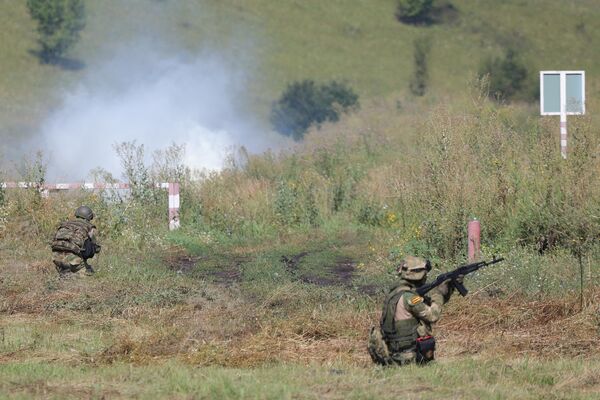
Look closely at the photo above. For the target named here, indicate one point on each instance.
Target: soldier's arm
(92, 235)
(416, 305)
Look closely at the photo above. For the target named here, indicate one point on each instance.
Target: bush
(418, 83)
(507, 77)
(58, 23)
(305, 103)
(414, 11)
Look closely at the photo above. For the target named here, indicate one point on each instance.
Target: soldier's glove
(436, 297)
(444, 288)
(442, 293)
(458, 280)
(98, 248)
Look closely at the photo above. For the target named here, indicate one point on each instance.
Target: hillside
(359, 42)
(270, 286)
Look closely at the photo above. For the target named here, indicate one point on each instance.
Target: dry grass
(545, 328)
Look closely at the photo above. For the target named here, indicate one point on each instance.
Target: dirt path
(338, 274)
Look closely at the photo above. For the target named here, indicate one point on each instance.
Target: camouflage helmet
(84, 212)
(414, 268)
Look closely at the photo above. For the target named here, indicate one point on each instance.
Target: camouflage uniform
(68, 257)
(407, 318)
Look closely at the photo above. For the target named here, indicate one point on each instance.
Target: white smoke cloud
(155, 98)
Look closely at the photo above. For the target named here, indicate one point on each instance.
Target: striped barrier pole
(46, 188)
(174, 206)
(563, 135)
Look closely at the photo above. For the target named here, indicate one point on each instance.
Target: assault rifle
(453, 275)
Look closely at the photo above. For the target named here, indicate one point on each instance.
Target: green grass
(466, 379)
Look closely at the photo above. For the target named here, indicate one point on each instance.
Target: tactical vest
(400, 335)
(74, 237)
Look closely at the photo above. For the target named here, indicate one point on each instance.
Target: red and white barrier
(173, 206)
(48, 187)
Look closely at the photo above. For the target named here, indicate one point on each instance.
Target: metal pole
(563, 115)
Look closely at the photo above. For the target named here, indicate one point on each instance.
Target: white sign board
(562, 91)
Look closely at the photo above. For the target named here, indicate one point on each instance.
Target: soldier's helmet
(84, 212)
(414, 268)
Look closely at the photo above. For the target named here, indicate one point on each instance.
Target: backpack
(378, 349)
(73, 237)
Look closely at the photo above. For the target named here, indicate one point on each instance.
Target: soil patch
(226, 272)
(183, 263)
(292, 262)
(338, 274)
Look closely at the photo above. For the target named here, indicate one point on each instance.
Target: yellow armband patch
(416, 300)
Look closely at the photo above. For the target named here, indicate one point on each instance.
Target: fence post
(474, 240)
(173, 206)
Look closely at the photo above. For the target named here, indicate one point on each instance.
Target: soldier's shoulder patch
(415, 299)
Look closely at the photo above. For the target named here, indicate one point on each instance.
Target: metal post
(563, 115)
(474, 241)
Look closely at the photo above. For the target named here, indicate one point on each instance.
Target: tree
(58, 24)
(305, 103)
(414, 11)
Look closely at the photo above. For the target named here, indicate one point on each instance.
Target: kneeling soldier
(405, 334)
(75, 242)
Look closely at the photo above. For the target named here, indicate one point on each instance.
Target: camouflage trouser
(68, 262)
(404, 357)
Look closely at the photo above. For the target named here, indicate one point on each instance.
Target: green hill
(357, 41)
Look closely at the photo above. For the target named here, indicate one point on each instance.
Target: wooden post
(474, 240)
(174, 206)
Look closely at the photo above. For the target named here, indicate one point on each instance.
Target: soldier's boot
(63, 270)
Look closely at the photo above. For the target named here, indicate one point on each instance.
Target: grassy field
(271, 285)
(183, 319)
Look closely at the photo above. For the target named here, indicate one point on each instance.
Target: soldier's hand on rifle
(444, 288)
(459, 279)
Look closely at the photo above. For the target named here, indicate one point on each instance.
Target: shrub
(414, 11)
(58, 24)
(296, 203)
(507, 77)
(305, 103)
(418, 83)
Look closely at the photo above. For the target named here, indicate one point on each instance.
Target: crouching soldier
(75, 242)
(405, 332)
